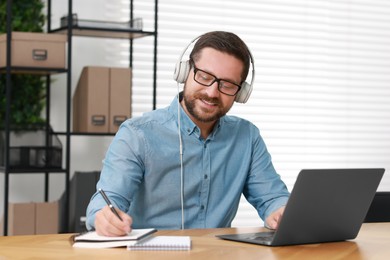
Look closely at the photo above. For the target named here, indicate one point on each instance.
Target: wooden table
(373, 242)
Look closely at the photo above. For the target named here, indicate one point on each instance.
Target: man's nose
(213, 90)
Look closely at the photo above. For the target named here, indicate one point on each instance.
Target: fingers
(108, 224)
(273, 220)
(271, 223)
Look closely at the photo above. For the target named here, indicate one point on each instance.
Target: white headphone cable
(181, 158)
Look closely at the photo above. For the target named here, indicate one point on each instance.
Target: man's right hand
(108, 224)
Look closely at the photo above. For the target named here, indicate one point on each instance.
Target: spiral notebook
(93, 240)
(161, 243)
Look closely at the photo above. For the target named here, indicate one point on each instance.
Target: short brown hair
(226, 42)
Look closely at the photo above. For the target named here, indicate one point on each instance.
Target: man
(158, 178)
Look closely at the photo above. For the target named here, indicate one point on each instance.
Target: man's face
(206, 104)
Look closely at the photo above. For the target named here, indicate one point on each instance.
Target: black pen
(109, 203)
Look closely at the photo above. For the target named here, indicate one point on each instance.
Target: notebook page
(163, 243)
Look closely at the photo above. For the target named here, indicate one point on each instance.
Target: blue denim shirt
(141, 172)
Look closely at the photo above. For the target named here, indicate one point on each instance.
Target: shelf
(33, 170)
(84, 28)
(104, 32)
(84, 134)
(33, 70)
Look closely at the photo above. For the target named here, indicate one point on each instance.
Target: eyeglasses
(206, 79)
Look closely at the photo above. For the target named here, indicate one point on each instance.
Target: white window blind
(321, 97)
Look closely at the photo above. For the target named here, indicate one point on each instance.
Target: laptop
(325, 205)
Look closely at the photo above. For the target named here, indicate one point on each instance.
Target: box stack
(33, 218)
(102, 100)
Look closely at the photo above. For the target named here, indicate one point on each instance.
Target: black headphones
(182, 69)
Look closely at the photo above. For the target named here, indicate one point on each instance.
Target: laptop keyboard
(262, 236)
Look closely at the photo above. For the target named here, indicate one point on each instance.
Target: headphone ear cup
(182, 69)
(243, 95)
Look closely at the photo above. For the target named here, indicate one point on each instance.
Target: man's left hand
(273, 220)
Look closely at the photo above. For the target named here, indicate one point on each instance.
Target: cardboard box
(120, 97)
(102, 100)
(46, 218)
(38, 50)
(21, 219)
(33, 218)
(90, 102)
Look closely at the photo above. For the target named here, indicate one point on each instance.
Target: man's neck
(205, 127)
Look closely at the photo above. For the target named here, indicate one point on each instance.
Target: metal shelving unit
(70, 31)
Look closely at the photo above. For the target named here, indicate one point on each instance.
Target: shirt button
(205, 176)
(202, 207)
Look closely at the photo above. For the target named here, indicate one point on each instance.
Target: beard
(201, 114)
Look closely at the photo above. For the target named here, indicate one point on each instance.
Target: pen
(109, 203)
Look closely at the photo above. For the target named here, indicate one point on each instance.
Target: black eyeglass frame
(215, 80)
